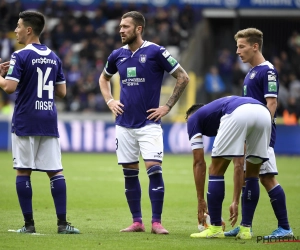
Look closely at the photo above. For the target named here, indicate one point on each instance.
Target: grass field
(97, 206)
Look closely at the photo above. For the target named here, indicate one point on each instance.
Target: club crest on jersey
(131, 72)
(143, 58)
(252, 75)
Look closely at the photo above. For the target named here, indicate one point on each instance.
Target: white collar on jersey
(40, 52)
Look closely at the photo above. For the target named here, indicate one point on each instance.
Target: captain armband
(196, 143)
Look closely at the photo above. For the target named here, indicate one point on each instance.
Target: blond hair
(252, 36)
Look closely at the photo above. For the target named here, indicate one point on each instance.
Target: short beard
(130, 40)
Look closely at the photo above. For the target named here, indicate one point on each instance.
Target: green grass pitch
(97, 206)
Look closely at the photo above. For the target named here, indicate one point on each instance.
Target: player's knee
(21, 172)
(52, 174)
(268, 181)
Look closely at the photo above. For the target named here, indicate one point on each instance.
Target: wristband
(110, 100)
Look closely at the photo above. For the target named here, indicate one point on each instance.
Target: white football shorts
(148, 141)
(248, 122)
(270, 166)
(37, 153)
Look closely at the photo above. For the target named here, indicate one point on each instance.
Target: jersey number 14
(42, 80)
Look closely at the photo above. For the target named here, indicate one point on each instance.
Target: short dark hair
(193, 109)
(33, 19)
(137, 17)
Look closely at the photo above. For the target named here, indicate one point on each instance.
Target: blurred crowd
(84, 39)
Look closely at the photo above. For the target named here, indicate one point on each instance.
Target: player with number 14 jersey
(36, 69)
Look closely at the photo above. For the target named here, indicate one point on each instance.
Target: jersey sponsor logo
(252, 75)
(166, 54)
(245, 90)
(272, 86)
(271, 78)
(43, 60)
(133, 81)
(131, 72)
(143, 58)
(172, 60)
(12, 62)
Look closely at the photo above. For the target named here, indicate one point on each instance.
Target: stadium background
(199, 33)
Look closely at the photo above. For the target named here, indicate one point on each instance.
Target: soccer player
(227, 118)
(36, 75)
(262, 83)
(141, 65)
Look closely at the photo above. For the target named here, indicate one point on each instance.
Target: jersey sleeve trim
(108, 73)
(62, 82)
(176, 67)
(12, 78)
(270, 95)
(196, 141)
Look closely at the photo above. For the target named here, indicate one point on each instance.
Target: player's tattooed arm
(182, 79)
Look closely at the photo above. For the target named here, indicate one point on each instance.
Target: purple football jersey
(141, 75)
(262, 82)
(36, 69)
(206, 120)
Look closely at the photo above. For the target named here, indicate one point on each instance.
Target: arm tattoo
(182, 80)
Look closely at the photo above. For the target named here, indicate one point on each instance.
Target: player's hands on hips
(202, 208)
(4, 68)
(158, 113)
(116, 107)
(234, 213)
